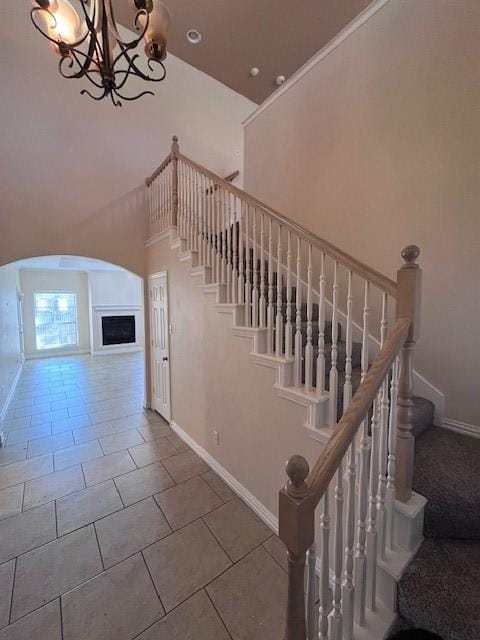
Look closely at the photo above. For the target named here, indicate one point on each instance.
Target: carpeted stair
(440, 589)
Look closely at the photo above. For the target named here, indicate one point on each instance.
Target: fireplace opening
(118, 330)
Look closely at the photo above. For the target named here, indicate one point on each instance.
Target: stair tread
(446, 473)
(439, 589)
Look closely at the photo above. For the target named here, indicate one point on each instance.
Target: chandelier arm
(87, 71)
(113, 25)
(138, 72)
(55, 41)
(131, 98)
(88, 93)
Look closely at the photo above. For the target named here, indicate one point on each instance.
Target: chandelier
(90, 46)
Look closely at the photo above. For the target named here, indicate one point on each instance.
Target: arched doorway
(73, 335)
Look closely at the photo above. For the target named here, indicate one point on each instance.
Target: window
(55, 320)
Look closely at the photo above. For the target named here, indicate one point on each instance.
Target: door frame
(152, 276)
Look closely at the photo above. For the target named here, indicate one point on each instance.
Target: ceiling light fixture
(194, 36)
(254, 71)
(279, 80)
(91, 47)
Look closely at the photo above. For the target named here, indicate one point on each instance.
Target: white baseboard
(116, 351)
(55, 353)
(462, 427)
(10, 394)
(262, 512)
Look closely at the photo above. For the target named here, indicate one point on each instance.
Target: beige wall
(10, 355)
(215, 386)
(37, 281)
(378, 146)
(65, 157)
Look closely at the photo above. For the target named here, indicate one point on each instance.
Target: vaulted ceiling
(276, 36)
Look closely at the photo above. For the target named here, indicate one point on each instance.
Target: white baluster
(325, 600)
(336, 619)
(372, 538)
(241, 262)
(215, 204)
(270, 290)
(311, 594)
(224, 237)
(262, 307)
(255, 292)
(360, 564)
(279, 315)
(234, 234)
(383, 445)
(248, 285)
(347, 387)
(288, 325)
(297, 368)
(348, 589)
(333, 378)
(309, 345)
(229, 246)
(392, 439)
(321, 328)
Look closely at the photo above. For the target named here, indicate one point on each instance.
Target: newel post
(409, 288)
(175, 149)
(296, 530)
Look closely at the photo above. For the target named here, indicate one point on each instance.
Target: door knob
(165, 359)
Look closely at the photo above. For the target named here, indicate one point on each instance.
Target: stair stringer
(407, 517)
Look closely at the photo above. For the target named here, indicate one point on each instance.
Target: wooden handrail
(158, 170)
(361, 269)
(327, 464)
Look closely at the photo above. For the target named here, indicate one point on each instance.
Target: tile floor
(111, 528)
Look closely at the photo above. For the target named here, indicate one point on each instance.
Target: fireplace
(118, 330)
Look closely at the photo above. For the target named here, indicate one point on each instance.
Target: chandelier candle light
(91, 47)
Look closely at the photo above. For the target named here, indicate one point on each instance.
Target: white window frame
(59, 293)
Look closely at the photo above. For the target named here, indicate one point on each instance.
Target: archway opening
(72, 348)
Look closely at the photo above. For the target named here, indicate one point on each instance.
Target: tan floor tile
(48, 417)
(195, 619)
(126, 532)
(68, 424)
(184, 562)
(40, 446)
(237, 528)
(120, 441)
(93, 432)
(11, 501)
(131, 422)
(86, 506)
(7, 571)
(107, 467)
(178, 443)
(20, 436)
(142, 483)
(187, 502)
(106, 415)
(184, 466)
(116, 605)
(43, 624)
(15, 453)
(27, 531)
(55, 485)
(25, 470)
(13, 424)
(153, 451)
(154, 431)
(219, 486)
(251, 597)
(45, 573)
(77, 454)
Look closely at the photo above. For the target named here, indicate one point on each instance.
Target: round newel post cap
(175, 145)
(410, 254)
(297, 471)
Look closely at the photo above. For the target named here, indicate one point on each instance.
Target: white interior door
(159, 331)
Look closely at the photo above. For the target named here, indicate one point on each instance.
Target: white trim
(116, 307)
(262, 512)
(345, 33)
(58, 353)
(11, 393)
(158, 237)
(462, 427)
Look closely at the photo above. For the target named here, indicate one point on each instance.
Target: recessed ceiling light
(279, 80)
(254, 71)
(194, 36)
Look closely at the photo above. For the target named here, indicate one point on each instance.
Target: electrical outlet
(216, 437)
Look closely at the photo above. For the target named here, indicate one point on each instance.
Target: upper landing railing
(350, 334)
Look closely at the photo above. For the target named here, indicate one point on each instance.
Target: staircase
(341, 337)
